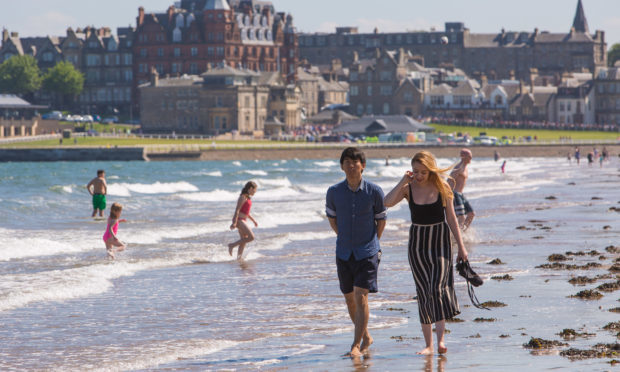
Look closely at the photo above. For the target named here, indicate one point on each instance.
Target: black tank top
(426, 214)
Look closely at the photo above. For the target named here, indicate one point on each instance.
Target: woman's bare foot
(426, 351)
(366, 342)
(230, 248)
(442, 349)
(110, 254)
(355, 352)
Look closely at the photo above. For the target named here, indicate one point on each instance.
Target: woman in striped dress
(430, 250)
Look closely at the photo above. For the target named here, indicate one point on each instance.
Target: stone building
(246, 34)
(385, 85)
(221, 100)
(607, 93)
(502, 55)
(105, 60)
(308, 82)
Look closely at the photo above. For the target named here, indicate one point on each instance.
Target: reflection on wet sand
(428, 363)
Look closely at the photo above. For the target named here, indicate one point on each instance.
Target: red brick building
(242, 34)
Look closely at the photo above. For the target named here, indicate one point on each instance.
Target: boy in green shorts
(98, 188)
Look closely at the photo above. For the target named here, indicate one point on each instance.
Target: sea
(175, 300)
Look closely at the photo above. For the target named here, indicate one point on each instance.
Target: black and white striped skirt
(430, 259)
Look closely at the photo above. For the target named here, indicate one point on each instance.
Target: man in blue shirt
(355, 211)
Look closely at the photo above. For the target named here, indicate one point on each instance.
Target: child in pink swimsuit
(112, 244)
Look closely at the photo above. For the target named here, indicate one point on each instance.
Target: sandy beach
(397, 152)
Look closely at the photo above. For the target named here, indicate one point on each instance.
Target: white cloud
(611, 25)
(50, 23)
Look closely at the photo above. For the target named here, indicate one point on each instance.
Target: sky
(52, 17)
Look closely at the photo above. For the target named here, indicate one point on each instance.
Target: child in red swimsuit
(242, 212)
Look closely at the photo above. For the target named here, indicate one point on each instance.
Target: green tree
(613, 55)
(63, 81)
(20, 75)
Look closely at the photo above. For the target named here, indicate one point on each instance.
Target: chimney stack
(140, 15)
(154, 77)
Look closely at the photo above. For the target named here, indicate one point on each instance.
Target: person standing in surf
(112, 243)
(98, 188)
(355, 210)
(242, 213)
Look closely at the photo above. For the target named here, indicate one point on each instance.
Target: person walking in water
(356, 213)
(98, 188)
(112, 243)
(458, 179)
(242, 213)
(430, 247)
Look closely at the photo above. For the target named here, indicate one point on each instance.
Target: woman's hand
(255, 224)
(122, 220)
(462, 255)
(233, 226)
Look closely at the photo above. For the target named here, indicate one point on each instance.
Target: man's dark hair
(100, 172)
(353, 153)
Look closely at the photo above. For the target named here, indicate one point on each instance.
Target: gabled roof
(216, 5)
(382, 124)
(326, 115)
(441, 89)
(466, 88)
(12, 101)
(226, 70)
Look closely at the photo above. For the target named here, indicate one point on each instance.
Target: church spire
(580, 23)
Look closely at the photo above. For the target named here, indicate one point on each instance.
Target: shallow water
(176, 300)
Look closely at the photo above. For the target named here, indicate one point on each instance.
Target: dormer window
(176, 35)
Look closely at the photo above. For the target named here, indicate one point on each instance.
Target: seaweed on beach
(493, 304)
(615, 268)
(477, 335)
(524, 228)
(609, 287)
(615, 310)
(606, 227)
(502, 277)
(454, 320)
(612, 249)
(593, 252)
(480, 320)
(596, 198)
(556, 257)
(581, 280)
(571, 334)
(403, 338)
(496, 261)
(562, 266)
(538, 237)
(597, 351)
(551, 197)
(588, 294)
(504, 336)
(539, 343)
(613, 326)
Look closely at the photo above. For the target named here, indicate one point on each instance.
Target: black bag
(473, 280)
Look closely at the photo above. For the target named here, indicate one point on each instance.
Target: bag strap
(473, 298)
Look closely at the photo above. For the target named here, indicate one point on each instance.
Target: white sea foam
(255, 172)
(216, 195)
(155, 235)
(22, 244)
(213, 174)
(147, 356)
(327, 163)
(236, 163)
(125, 189)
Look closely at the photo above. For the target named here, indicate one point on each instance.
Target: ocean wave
(255, 172)
(125, 189)
(18, 245)
(216, 195)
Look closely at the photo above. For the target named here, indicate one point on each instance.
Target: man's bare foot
(426, 351)
(355, 352)
(441, 348)
(230, 248)
(366, 342)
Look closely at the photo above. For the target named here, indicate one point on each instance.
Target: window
(355, 90)
(128, 75)
(386, 108)
(143, 52)
(193, 68)
(246, 102)
(48, 57)
(210, 51)
(194, 51)
(353, 76)
(386, 90)
(436, 100)
(160, 52)
(408, 97)
(369, 109)
(499, 100)
(220, 51)
(128, 59)
(360, 109)
(177, 52)
(219, 102)
(369, 91)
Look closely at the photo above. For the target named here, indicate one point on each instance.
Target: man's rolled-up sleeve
(330, 205)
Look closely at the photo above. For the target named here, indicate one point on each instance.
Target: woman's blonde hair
(115, 210)
(435, 174)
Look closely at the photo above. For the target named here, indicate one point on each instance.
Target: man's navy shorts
(362, 273)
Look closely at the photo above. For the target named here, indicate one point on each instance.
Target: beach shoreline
(517, 151)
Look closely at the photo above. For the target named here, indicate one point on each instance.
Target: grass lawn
(131, 141)
(543, 135)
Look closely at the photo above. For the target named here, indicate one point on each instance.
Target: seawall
(73, 154)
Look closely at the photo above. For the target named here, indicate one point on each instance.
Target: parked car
(110, 119)
(53, 115)
(87, 119)
(485, 140)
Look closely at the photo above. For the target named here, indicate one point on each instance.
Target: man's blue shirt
(355, 212)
